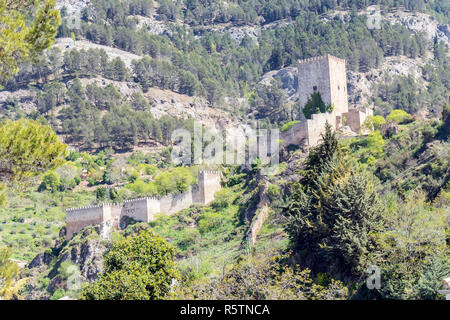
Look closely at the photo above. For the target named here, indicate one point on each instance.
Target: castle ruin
(325, 75)
(144, 209)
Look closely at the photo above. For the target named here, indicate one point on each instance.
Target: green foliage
(262, 278)
(445, 128)
(334, 211)
(374, 122)
(209, 221)
(375, 143)
(430, 281)
(27, 28)
(399, 116)
(414, 238)
(404, 166)
(50, 181)
(319, 156)
(140, 267)
(222, 199)
(188, 238)
(142, 188)
(274, 192)
(236, 179)
(174, 180)
(9, 271)
(269, 101)
(28, 148)
(314, 105)
(101, 193)
(58, 294)
(288, 125)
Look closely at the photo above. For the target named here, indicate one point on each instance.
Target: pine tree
(334, 211)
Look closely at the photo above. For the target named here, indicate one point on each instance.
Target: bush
(149, 169)
(288, 125)
(223, 198)
(236, 179)
(142, 188)
(375, 143)
(176, 180)
(399, 116)
(140, 267)
(134, 175)
(50, 181)
(209, 221)
(58, 294)
(101, 193)
(273, 192)
(374, 122)
(188, 238)
(315, 105)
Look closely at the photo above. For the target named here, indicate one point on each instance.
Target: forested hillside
(88, 118)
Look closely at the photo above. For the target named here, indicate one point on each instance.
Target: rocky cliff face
(67, 264)
(71, 264)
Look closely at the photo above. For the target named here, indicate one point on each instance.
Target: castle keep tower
(208, 185)
(326, 75)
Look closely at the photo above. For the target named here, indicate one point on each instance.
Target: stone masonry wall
(174, 203)
(209, 184)
(137, 209)
(144, 209)
(355, 118)
(316, 126)
(77, 219)
(338, 85)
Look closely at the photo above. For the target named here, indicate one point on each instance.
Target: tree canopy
(28, 148)
(334, 211)
(23, 39)
(140, 267)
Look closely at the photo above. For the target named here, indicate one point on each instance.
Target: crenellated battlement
(210, 172)
(144, 208)
(312, 59)
(320, 58)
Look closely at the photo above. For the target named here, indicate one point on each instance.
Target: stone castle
(144, 209)
(325, 75)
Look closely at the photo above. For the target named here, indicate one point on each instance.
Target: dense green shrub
(209, 221)
(222, 199)
(274, 192)
(188, 237)
(399, 116)
(314, 105)
(139, 267)
(58, 294)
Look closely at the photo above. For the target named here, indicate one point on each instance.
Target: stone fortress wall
(144, 209)
(326, 75)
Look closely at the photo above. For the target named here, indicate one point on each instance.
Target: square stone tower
(208, 185)
(326, 75)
